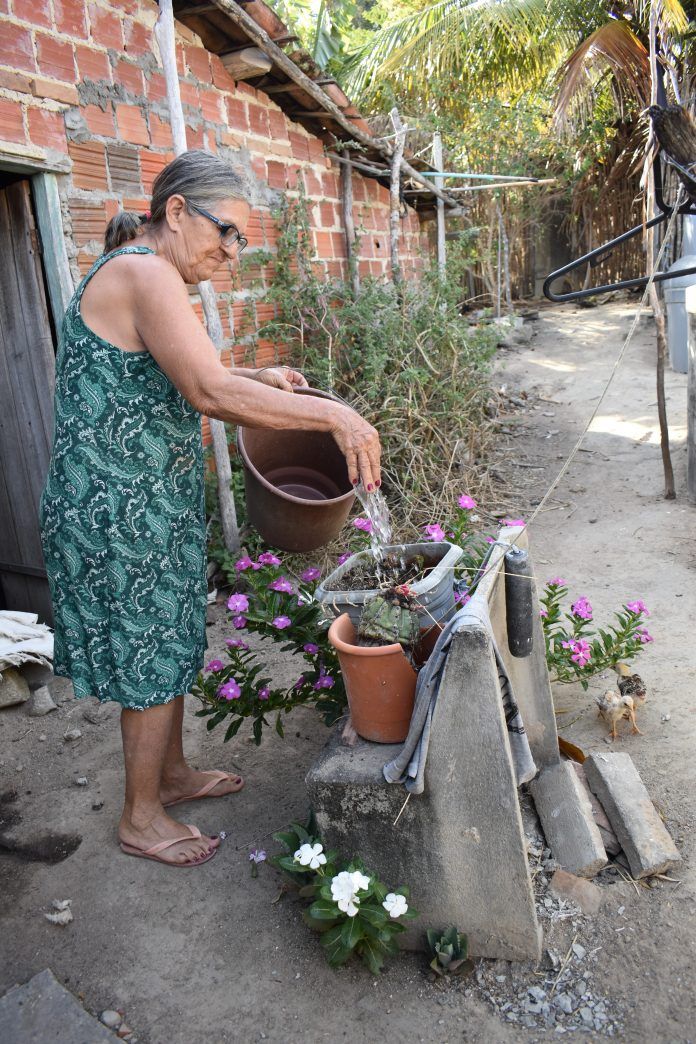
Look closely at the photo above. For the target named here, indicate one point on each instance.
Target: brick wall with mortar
(81, 86)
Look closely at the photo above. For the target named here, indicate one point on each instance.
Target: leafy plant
(269, 603)
(576, 651)
(404, 358)
(354, 912)
(450, 950)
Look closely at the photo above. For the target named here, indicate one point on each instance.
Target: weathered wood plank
(56, 264)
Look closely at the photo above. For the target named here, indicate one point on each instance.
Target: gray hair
(201, 177)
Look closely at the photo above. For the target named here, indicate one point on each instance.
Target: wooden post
(164, 34)
(394, 200)
(349, 224)
(437, 163)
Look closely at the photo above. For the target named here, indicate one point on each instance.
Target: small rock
(587, 895)
(42, 737)
(124, 1031)
(14, 688)
(41, 702)
(537, 993)
(63, 915)
(586, 1016)
(94, 713)
(112, 1019)
(579, 951)
(81, 781)
(564, 1002)
(72, 734)
(554, 959)
(665, 717)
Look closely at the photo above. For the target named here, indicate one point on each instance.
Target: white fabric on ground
(23, 640)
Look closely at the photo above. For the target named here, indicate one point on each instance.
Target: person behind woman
(122, 511)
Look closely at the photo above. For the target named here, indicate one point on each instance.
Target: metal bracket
(602, 253)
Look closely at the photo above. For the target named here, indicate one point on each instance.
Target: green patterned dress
(123, 521)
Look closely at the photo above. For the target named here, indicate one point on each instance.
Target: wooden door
(27, 373)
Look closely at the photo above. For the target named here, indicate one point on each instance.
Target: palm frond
(513, 41)
(611, 56)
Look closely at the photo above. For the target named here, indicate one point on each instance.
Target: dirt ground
(212, 954)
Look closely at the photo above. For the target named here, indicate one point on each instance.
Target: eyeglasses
(229, 233)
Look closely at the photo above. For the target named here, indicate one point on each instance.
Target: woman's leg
(178, 779)
(144, 823)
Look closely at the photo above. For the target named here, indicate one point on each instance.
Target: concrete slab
(459, 846)
(606, 830)
(44, 1012)
(641, 833)
(565, 812)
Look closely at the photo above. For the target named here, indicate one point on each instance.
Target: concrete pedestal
(460, 845)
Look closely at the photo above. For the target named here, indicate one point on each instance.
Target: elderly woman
(122, 512)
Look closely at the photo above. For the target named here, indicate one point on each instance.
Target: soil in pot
(372, 575)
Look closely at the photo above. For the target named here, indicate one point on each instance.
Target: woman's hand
(282, 377)
(358, 441)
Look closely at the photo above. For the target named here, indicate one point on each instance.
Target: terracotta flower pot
(380, 683)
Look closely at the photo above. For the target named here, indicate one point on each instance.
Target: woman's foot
(144, 830)
(184, 782)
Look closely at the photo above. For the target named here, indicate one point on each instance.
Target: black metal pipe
(519, 604)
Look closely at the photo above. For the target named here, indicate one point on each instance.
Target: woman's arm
(173, 335)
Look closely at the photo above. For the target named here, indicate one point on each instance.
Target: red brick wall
(79, 79)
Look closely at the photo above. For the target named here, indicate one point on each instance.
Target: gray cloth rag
(409, 765)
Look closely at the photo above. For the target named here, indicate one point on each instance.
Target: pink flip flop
(207, 787)
(151, 853)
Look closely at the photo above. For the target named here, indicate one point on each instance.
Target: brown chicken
(614, 707)
(631, 685)
(675, 130)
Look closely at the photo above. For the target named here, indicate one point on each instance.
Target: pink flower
(281, 622)
(637, 607)
(214, 665)
(238, 603)
(363, 523)
(311, 648)
(543, 612)
(282, 584)
(461, 597)
(582, 609)
(264, 693)
(238, 622)
(512, 522)
(466, 502)
(236, 643)
(245, 563)
(557, 581)
(268, 558)
(580, 649)
(490, 540)
(434, 532)
(230, 690)
(325, 681)
(310, 575)
(644, 637)
(300, 682)
(344, 557)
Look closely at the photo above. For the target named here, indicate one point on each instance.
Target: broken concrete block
(606, 830)
(578, 890)
(41, 703)
(13, 688)
(43, 1010)
(566, 817)
(641, 833)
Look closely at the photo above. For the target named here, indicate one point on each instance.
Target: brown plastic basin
(297, 488)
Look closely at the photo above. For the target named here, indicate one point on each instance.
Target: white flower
(343, 889)
(395, 904)
(310, 855)
(360, 881)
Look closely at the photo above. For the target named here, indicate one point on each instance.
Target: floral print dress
(123, 521)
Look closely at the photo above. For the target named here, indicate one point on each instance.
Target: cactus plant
(450, 950)
(390, 617)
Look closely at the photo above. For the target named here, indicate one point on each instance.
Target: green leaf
(351, 932)
(335, 950)
(279, 727)
(371, 953)
(374, 915)
(233, 729)
(288, 838)
(323, 910)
